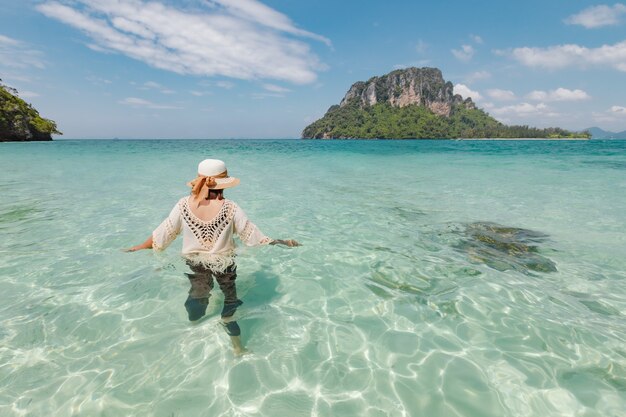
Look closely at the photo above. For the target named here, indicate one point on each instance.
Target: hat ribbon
(203, 180)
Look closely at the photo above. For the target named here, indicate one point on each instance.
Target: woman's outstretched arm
(164, 234)
(250, 235)
(145, 245)
(285, 242)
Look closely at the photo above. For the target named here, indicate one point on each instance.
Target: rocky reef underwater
(446, 253)
(504, 248)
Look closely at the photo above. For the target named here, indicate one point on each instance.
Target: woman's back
(205, 210)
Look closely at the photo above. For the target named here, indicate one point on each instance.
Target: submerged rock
(505, 248)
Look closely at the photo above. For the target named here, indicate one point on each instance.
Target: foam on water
(435, 279)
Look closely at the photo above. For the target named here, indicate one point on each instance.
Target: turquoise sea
(436, 278)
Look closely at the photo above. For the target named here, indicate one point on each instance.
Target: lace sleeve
(167, 231)
(249, 234)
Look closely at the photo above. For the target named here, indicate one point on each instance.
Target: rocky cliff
(420, 86)
(19, 121)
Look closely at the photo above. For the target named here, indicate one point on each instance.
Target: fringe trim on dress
(212, 261)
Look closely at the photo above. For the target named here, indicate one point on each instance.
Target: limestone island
(417, 103)
(19, 121)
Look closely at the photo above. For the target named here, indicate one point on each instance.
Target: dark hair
(215, 195)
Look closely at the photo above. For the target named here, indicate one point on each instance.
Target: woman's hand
(145, 245)
(287, 242)
(134, 248)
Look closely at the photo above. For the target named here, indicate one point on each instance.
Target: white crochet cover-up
(209, 243)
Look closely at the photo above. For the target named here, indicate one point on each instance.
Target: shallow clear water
(435, 278)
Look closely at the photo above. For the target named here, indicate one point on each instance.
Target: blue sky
(252, 69)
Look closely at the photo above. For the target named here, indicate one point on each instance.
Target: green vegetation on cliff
(19, 121)
(384, 121)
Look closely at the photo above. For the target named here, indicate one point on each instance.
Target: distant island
(416, 103)
(19, 121)
(597, 133)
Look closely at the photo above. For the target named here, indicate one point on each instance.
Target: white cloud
(151, 85)
(465, 92)
(603, 117)
(17, 54)
(98, 80)
(261, 96)
(421, 46)
(257, 12)
(464, 54)
(618, 110)
(571, 55)
(537, 95)
(200, 93)
(477, 39)
(225, 84)
(560, 94)
(139, 102)
(615, 115)
(478, 75)
(501, 95)
(5, 40)
(234, 38)
(27, 94)
(12, 78)
(418, 63)
(522, 110)
(598, 16)
(276, 88)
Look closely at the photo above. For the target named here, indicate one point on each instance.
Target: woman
(208, 222)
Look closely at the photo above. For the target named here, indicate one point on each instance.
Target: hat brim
(223, 183)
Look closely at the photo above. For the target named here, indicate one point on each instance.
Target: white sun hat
(213, 174)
